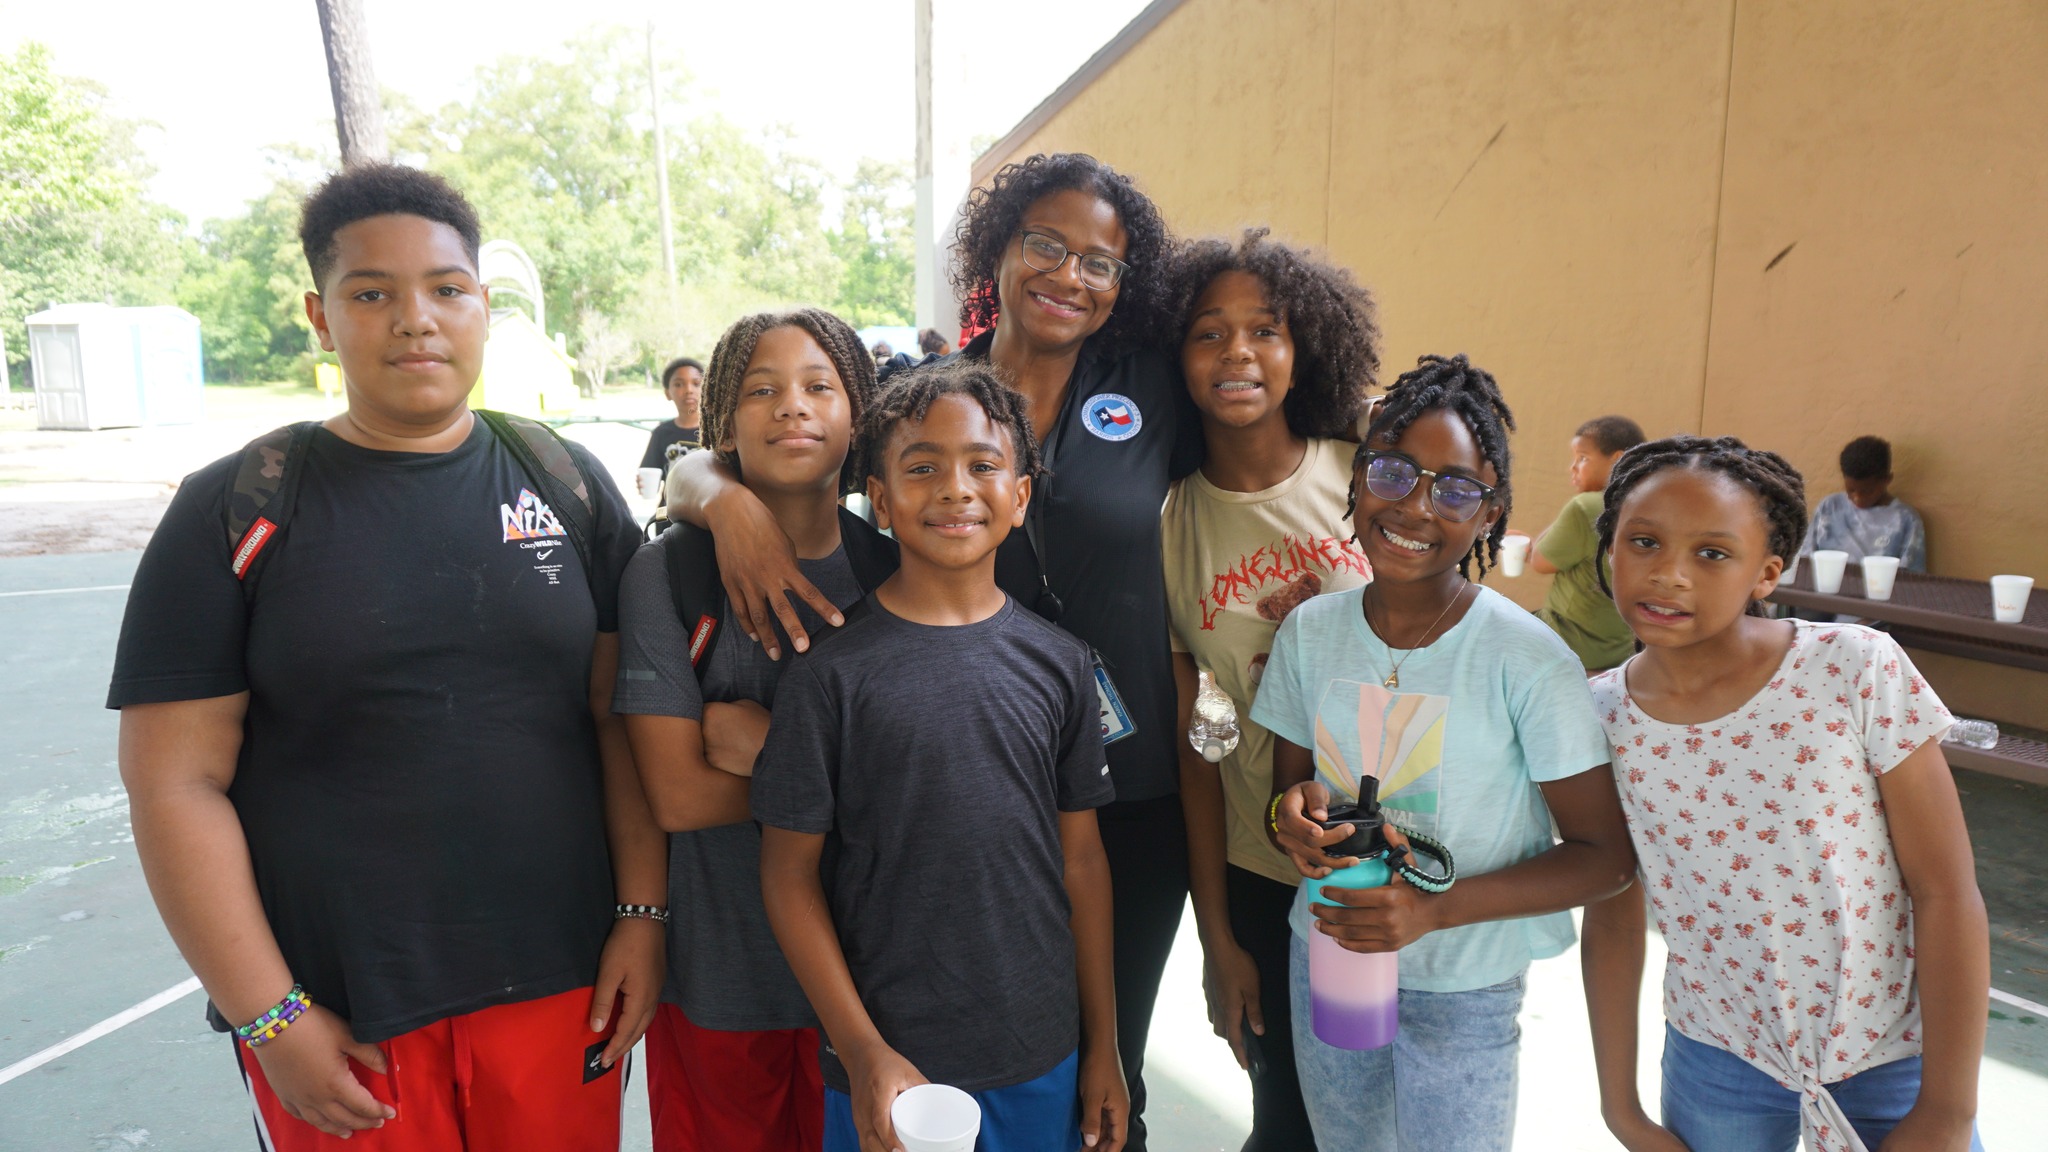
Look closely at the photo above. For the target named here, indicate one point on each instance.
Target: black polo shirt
(1126, 430)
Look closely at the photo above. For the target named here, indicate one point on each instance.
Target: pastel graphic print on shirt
(1398, 737)
(1767, 858)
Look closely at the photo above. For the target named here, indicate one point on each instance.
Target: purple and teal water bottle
(1354, 996)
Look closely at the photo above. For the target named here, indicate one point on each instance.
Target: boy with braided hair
(733, 1051)
(927, 796)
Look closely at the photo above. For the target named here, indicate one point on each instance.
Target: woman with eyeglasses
(1279, 350)
(1062, 263)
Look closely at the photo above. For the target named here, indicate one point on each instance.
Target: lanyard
(1048, 605)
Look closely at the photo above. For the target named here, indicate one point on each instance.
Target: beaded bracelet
(652, 912)
(1273, 813)
(271, 1024)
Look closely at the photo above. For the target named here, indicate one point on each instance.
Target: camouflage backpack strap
(549, 464)
(260, 501)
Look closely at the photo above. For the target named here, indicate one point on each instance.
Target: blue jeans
(1042, 1115)
(1455, 1088)
(1717, 1102)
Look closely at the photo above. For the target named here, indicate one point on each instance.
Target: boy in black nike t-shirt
(379, 794)
(940, 755)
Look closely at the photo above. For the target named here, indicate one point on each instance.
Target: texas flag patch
(1112, 417)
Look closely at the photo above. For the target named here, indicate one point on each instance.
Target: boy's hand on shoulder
(1381, 919)
(307, 1067)
(1105, 1101)
(1296, 832)
(877, 1078)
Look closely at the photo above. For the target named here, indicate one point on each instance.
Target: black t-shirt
(936, 761)
(418, 780)
(1126, 431)
(665, 434)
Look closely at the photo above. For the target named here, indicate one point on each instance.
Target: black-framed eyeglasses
(1392, 476)
(1047, 254)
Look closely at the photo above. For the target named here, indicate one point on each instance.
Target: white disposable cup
(1828, 566)
(2009, 597)
(1878, 574)
(1514, 553)
(935, 1118)
(649, 480)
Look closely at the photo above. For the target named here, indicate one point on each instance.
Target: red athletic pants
(714, 1091)
(505, 1079)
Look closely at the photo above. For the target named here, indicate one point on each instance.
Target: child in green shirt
(1576, 609)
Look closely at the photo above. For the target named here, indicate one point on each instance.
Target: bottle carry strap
(1416, 876)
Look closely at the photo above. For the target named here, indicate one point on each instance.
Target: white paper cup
(2009, 597)
(1828, 566)
(649, 480)
(1879, 572)
(936, 1118)
(1514, 553)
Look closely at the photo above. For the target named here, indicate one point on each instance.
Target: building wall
(1588, 197)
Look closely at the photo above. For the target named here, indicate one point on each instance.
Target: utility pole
(668, 228)
(944, 169)
(358, 116)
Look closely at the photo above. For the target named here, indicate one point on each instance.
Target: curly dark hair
(368, 190)
(1334, 322)
(910, 395)
(1866, 458)
(993, 215)
(729, 363)
(1471, 393)
(1779, 488)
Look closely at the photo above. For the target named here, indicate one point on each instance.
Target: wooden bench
(1953, 617)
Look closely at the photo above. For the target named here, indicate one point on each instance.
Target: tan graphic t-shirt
(1236, 564)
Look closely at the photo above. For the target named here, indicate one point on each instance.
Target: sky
(218, 81)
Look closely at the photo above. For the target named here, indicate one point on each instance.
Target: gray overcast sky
(223, 79)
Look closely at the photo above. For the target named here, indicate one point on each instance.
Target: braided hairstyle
(1470, 393)
(1780, 490)
(994, 215)
(1333, 321)
(910, 396)
(721, 396)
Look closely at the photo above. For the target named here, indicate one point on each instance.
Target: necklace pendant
(1393, 679)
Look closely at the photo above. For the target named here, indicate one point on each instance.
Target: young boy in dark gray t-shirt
(732, 1054)
(929, 855)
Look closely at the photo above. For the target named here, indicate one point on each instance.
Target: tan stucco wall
(1583, 196)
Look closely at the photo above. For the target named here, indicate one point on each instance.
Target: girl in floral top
(1799, 837)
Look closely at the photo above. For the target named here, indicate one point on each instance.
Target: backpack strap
(549, 464)
(694, 586)
(260, 498)
(872, 556)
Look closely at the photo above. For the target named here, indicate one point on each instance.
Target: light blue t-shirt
(1494, 707)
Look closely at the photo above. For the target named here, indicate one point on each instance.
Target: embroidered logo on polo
(1112, 417)
(528, 518)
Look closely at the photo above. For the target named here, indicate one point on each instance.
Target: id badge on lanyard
(1116, 720)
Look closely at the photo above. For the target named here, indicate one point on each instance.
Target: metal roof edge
(1143, 23)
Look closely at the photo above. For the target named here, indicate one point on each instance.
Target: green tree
(247, 282)
(878, 269)
(75, 225)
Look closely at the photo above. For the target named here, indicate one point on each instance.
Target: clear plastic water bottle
(1213, 727)
(1972, 734)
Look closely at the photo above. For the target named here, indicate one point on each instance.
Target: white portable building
(98, 366)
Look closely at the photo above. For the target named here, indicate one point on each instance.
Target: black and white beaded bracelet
(640, 912)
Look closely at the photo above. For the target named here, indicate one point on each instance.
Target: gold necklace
(1393, 679)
